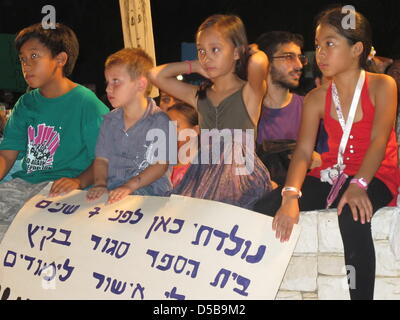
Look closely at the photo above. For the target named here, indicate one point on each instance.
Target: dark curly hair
(60, 39)
(269, 41)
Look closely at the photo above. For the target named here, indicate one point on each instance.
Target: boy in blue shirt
(126, 161)
(54, 127)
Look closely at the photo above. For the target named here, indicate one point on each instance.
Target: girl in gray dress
(226, 168)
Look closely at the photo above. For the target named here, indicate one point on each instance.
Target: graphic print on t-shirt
(42, 145)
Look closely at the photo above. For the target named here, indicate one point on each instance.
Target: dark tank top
(231, 113)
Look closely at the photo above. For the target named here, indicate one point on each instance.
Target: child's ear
(236, 53)
(62, 59)
(358, 48)
(142, 83)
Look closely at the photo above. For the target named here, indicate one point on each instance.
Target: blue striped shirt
(130, 152)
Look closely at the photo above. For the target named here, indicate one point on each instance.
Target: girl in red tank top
(359, 174)
(359, 142)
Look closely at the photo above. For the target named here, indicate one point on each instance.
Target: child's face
(216, 54)
(182, 124)
(39, 67)
(121, 89)
(166, 101)
(333, 52)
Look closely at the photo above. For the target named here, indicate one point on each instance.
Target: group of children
(66, 135)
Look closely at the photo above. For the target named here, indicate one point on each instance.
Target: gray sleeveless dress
(226, 168)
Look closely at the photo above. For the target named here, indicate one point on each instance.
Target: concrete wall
(317, 270)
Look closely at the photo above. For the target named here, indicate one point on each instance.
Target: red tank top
(358, 144)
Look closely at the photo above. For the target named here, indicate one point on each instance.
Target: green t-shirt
(56, 137)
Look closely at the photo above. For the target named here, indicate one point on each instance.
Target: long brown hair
(232, 27)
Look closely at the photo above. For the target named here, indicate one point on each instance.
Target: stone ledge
(394, 237)
(310, 296)
(317, 268)
(301, 274)
(289, 295)
(331, 265)
(328, 225)
(308, 240)
(387, 289)
(332, 288)
(386, 263)
(383, 222)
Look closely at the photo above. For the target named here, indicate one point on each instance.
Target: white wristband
(293, 189)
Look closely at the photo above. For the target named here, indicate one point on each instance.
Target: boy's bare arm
(100, 167)
(7, 160)
(146, 177)
(85, 179)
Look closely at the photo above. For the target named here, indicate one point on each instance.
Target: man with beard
(281, 111)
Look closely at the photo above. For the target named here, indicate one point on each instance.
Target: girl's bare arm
(288, 214)
(164, 77)
(256, 86)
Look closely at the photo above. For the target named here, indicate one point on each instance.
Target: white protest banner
(141, 248)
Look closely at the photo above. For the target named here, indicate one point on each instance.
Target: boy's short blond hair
(137, 62)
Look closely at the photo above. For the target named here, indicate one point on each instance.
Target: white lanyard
(346, 126)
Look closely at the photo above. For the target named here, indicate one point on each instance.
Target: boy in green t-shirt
(54, 127)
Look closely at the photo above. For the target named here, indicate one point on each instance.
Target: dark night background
(98, 24)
